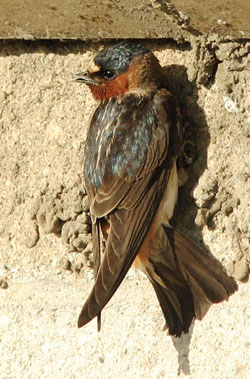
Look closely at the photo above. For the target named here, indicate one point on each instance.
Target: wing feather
(129, 202)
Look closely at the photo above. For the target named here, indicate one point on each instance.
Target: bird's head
(122, 68)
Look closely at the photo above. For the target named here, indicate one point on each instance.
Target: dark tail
(191, 282)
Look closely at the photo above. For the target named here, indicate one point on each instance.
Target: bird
(133, 142)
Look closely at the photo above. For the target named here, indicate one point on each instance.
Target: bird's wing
(129, 202)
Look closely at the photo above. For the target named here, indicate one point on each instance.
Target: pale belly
(163, 215)
(169, 199)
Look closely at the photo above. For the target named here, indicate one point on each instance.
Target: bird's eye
(108, 74)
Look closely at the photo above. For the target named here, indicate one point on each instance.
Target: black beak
(84, 77)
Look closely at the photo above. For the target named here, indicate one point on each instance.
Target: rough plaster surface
(76, 19)
(45, 244)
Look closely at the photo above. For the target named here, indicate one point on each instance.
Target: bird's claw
(188, 152)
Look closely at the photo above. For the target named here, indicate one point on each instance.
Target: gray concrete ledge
(76, 19)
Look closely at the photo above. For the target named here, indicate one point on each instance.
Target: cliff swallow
(134, 139)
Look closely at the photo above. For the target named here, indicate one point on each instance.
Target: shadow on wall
(186, 210)
(196, 132)
(19, 47)
(182, 345)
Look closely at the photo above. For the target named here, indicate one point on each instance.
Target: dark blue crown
(118, 57)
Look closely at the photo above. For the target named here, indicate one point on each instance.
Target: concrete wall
(28, 19)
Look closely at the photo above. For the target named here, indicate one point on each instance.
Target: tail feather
(204, 272)
(175, 322)
(178, 317)
(187, 290)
